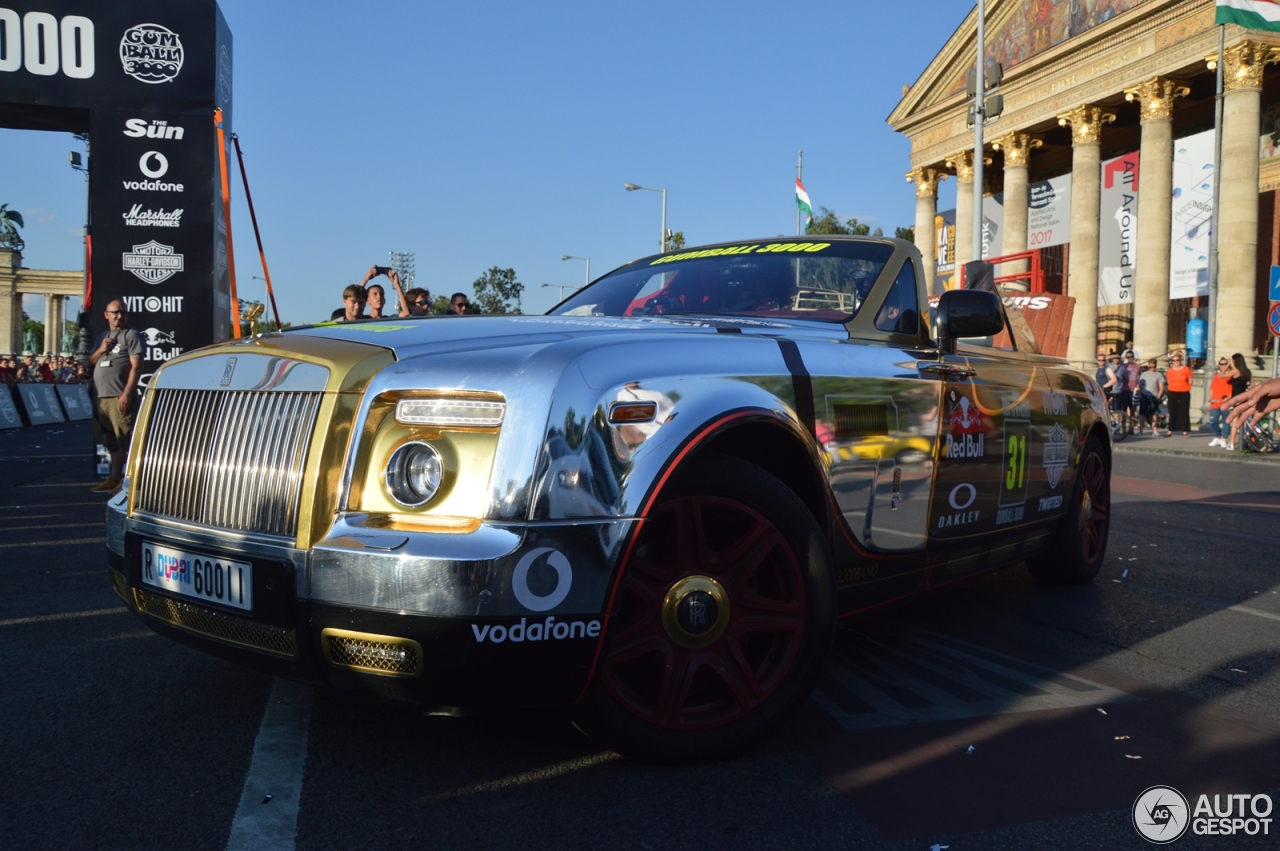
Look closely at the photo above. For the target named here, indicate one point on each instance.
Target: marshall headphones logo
(151, 53)
(152, 262)
(138, 217)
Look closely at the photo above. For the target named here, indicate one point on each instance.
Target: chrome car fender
(591, 467)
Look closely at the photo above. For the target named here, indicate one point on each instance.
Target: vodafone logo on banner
(161, 164)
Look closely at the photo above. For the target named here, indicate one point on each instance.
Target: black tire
(1079, 547)
(655, 699)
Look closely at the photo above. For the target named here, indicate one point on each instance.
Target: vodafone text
(548, 629)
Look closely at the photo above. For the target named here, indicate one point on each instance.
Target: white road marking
(62, 616)
(279, 757)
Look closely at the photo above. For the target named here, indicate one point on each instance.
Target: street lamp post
(632, 187)
(560, 287)
(587, 280)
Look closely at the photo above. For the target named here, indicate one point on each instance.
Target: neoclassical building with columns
(1115, 100)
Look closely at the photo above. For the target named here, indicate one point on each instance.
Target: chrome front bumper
(490, 572)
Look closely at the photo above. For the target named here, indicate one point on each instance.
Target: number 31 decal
(1016, 453)
(1013, 485)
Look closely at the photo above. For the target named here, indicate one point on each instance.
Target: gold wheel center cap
(695, 611)
(1086, 510)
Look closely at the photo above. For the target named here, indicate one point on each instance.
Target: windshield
(802, 279)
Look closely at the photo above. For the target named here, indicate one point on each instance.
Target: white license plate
(198, 576)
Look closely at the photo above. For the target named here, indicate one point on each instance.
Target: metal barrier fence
(43, 404)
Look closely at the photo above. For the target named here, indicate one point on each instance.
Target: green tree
(439, 304)
(495, 291)
(908, 234)
(10, 221)
(676, 241)
(828, 222)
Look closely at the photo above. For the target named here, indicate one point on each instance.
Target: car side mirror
(967, 313)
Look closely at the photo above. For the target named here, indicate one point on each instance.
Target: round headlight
(414, 473)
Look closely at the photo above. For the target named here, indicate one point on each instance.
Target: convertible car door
(876, 418)
(997, 455)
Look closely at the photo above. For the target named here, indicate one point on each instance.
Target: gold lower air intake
(276, 640)
(372, 654)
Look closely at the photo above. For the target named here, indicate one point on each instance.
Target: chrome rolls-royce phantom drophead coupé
(653, 504)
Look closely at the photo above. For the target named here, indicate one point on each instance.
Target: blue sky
(501, 134)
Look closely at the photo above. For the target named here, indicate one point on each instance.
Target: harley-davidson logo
(1055, 454)
(152, 262)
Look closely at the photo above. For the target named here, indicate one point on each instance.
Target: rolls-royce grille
(229, 459)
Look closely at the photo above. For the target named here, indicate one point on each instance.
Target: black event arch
(142, 78)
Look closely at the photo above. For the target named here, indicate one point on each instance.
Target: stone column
(1017, 148)
(59, 317)
(962, 164)
(49, 344)
(1237, 216)
(926, 180)
(1086, 200)
(1155, 215)
(10, 303)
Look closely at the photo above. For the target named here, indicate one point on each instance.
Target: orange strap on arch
(226, 218)
(253, 217)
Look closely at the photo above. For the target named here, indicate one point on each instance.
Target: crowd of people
(1142, 395)
(413, 302)
(47, 369)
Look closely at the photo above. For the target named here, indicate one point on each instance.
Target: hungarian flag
(1250, 14)
(802, 201)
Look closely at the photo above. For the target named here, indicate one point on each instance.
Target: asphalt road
(1073, 701)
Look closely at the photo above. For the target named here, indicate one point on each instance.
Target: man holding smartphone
(117, 366)
(378, 297)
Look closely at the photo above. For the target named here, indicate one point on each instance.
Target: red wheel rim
(1095, 508)
(678, 688)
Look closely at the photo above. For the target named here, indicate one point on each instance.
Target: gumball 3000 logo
(151, 53)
